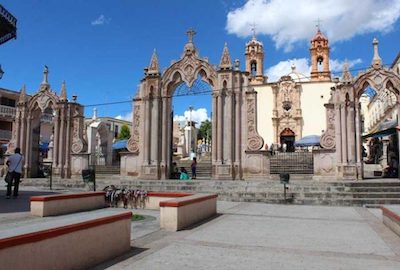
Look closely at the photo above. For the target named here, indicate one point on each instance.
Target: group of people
(182, 174)
(273, 148)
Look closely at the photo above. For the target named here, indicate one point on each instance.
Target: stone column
(344, 133)
(67, 154)
(359, 157)
(238, 132)
(214, 127)
(220, 126)
(61, 143)
(398, 132)
(384, 161)
(146, 131)
(338, 136)
(56, 138)
(350, 133)
(228, 127)
(155, 130)
(22, 136)
(28, 148)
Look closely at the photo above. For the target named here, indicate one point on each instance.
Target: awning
(119, 144)
(386, 128)
(311, 140)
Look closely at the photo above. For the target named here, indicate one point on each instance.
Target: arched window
(253, 67)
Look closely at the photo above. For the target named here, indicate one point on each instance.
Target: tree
(125, 133)
(204, 130)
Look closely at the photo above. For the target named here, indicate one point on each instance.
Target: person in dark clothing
(194, 167)
(14, 164)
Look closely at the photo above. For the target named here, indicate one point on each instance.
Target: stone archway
(345, 135)
(68, 139)
(234, 113)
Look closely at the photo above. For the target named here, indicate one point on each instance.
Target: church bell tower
(319, 51)
(255, 60)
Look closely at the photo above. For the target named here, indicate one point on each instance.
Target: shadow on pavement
(20, 204)
(133, 252)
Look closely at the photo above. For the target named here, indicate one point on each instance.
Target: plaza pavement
(253, 236)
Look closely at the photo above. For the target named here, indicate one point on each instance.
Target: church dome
(297, 76)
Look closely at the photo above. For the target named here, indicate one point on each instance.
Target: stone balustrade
(7, 111)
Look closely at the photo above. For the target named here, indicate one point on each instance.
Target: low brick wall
(391, 218)
(76, 246)
(52, 205)
(179, 213)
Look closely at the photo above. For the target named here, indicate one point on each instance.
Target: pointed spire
(226, 62)
(346, 75)
(63, 95)
(46, 75)
(154, 68)
(376, 60)
(94, 117)
(22, 95)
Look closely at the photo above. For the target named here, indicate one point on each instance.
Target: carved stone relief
(254, 140)
(328, 137)
(133, 142)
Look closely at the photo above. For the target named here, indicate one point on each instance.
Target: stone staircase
(203, 170)
(351, 193)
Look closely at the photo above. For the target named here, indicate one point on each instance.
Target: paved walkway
(263, 236)
(252, 236)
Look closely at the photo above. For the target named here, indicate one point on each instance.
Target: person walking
(194, 167)
(14, 164)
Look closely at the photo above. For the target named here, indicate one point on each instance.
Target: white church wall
(313, 98)
(264, 112)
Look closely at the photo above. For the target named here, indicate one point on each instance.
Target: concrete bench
(52, 205)
(181, 212)
(154, 198)
(77, 241)
(391, 217)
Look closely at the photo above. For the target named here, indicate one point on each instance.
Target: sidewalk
(264, 236)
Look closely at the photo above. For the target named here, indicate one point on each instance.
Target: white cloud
(303, 66)
(101, 20)
(198, 116)
(126, 117)
(293, 21)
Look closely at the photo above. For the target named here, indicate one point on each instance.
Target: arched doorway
(349, 119)
(235, 140)
(287, 139)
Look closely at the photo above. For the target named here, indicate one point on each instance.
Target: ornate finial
(318, 25)
(63, 95)
(94, 117)
(190, 33)
(154, 68)
(293, 67)
(46, 75)
(253, 29)
(346, 75)
(376, 60)
(22, 95)
(225, 62)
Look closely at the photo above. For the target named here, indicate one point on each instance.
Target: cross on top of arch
(190, 33)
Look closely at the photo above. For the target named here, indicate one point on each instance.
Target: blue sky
(100, 47)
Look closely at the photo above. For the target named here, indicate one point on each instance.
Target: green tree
(125, 133)
(204, 130)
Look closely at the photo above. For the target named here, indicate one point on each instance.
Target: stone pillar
(155, 130)
(23, 129)
(214, 128)
(67, 154)
(384, 161)
(359, 158)
(338, 136)
(56, 138)
(350, 133)
(398, 132)
(28, 147)
(228, 127)
(238, 132)
(164, 128)
(61, 144)
(344, 133)
(220, 131)
(147, 132)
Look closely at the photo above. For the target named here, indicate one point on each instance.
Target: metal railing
(7, 111)
(5, 134)
(292, 163)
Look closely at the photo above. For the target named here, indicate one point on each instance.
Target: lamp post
(190, 130)
(1, 73)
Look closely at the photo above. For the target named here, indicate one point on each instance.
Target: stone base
(79, 162)
(150, 172)
(256, 165)
(223, 172)
(324, 164)
(129, 164)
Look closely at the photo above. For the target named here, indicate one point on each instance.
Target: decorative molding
(134, 140)
(254, 140)
(328, 140)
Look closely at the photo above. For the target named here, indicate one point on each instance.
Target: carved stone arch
(42, 100)
(377, 79)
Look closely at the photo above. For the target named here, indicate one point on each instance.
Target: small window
(253, 67)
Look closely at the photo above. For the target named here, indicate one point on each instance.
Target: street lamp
(1, 73)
